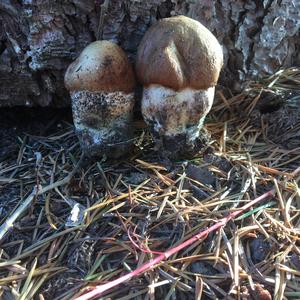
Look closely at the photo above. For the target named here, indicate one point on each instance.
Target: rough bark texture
(39, 38)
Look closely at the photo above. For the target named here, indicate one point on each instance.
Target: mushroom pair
(178, 63)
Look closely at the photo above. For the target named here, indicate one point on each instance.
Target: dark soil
(17, 125)
(26, 133)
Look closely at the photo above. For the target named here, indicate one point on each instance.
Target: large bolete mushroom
(178, 62)
(101, 82)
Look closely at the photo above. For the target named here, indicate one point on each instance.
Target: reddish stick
(100, 289)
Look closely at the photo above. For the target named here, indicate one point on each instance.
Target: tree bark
(39, 39)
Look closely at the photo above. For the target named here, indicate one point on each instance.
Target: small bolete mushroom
(101, 82)
(178, 63)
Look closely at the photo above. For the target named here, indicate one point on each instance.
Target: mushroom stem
(103, 123)
(176, 117)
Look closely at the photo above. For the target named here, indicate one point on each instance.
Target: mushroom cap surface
(178, 53)
(101, 66)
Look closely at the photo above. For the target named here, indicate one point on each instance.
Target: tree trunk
(39, 38)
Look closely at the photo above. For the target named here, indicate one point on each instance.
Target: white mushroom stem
(103, 121)
(176, 113)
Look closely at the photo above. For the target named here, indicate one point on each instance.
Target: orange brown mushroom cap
(101, 66)
(178, 53)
